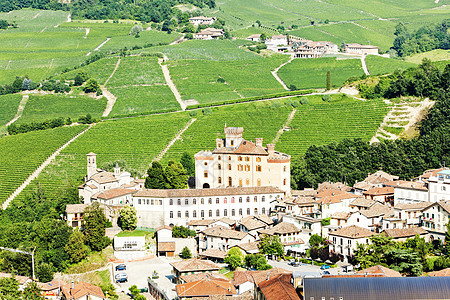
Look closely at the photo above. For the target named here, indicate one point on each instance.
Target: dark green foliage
(328, 80)
(4, 24)
(188, 162)
(91, 86)
(32, 292)
(271, 245)
(9, 287)
(405, 261)
(174, 176)
(256, 261)
(44, 272)
(182, 232)
(94, 225)
(75, 247)
(80, 78)
(234, 258)
(316, 240)
(185, 253)
(156, 178)
(326, 221)
(16, 129)
(88, 119)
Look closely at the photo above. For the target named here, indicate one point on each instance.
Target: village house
(331, 201)
(248, 248)
(240, 163)
(209, 34)
(82, 291)
(307, 225)
(278, 287)
(75, 214)
(354, 48)
(289, 235)
(222, 238)
(361, 204)
(311, 49)
(22, 280)
(408, 191)
(434, 219)
(202, 20)
(253, 224)
(380, 194)
(410, 213)
(215, 255)
(277, 43)
(344, 241)
(427, 174)
(192, 266)
(372, 217)
(249, 281)
(51, 290)
(402, 234)
(200, 276)
(339, 219)
(167, 245)
(202, 224)
(439, 186)
(302, 206)
(378, 271)
(254, 38)
(374, 180)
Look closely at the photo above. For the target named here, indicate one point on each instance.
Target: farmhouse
(254, 38)
(311, 49)
(240, 163)
(222, 238)
(201, 20)
(75, 214)
(355, 48)
(277, 43)
(208, 34)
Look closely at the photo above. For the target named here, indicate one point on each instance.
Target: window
(255, 199)
(239, 158)
(171, 215)
(263, 198)
(248, 199)
(219, 180)
(232, 212)
(217, 213)
(247, 181)
(229, 167)
(248, 211)
(186, 214)
(247, 168)
(232, 199)
(258, 168)
(202, 214)
(179, 214)
(210, 201)
(284, 181)
(205, 163)
(194, 201)
(219, 166)
(139, 201)
(240, 168)
(258, 182)
(284, 169)
(179, 201)
(232, 143)
(205, 174)
(225, 213)
(217, 201)
(240, 211)
(258, 159)
(160, 202)
(171, 202)
(240, 199)
(247, 159)
(210, 213)
(225, 200)
(256, 211)
(153, 202)
(229, 157)
(194, 214)
(219, 158)
(230, 181)
(263, 210)
(202, 201)
(186, 201)
(240, 181)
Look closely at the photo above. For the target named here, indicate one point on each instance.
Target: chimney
(259, 142)
(271, 150)
(219, 143)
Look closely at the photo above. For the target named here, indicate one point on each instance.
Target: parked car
(326, 273)
(324, 267)
(121, 277)
(121, 267)
(294, 263)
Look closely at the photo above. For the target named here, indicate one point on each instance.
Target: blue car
(324, 267)
(121, 267)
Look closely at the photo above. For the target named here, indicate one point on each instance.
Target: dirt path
(169, 81)
(275, 74)
(98, 47)
(38, 171)
(114, 71)
(110, 96)
(51, 64)
(87, 33)
(364, 66)
(69, 19)
(177, 137)
(22, 104)
(7, 66)
(178, 40)
(285, 125)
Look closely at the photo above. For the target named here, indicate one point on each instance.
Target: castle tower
(117, 171)
(233, 136)
(91, 164)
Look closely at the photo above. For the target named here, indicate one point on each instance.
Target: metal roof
(393, 288)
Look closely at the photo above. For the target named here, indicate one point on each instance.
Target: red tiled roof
(383, 271)
(166, 246)
(441, 273)
(215, 253)
(193, 264)
(82, 289)
(388, 190)
(205, 287)
(404, 232)
(279, 288)
(353, 232)
(114, 193)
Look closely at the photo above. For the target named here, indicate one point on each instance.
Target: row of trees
(173, 176)
(351, 160)
(236, 258)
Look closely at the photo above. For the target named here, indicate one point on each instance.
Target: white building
(202, 20)
(254, 38)
(240, 163)
(345, 240)
(439, 186)
(290, 236)
(208, 34)
(434, 219)
(354, 48)
(408, 191)
(277, 43)
(222, 238)
(129, 243)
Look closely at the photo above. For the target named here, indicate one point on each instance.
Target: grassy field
(323, 123)
(199, 79)
(99, 70)
(137, 70)
(435, 55)
(378, 65)
(46, 107)
(8, 107)
(311, 73)
(23, 153)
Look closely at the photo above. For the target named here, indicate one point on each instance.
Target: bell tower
(91, 164)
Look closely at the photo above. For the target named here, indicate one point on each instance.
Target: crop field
(258, 119)
(137, 70)
(311, 73)
(200, 80)
(46, 107)
(8, 107)
(99, 70)
(319, 124)
(135, 141)
(142, 99)
(23, 153)
(378, 65)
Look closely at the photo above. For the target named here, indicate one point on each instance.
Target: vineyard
(8, 107)
(23, 153)
(100, 70)
(135, 141)
(320, 124)
(137, 70)
(378, 65)
(46, 107)
(311, 73)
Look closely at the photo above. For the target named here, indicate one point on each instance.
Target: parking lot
(138, 272)
(307, 267)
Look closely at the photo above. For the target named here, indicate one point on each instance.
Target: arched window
(284, 169)
(202, 201)
(240, 181)
(247, 168)
(263, 198)
(225, 213)
(205, 174)
(219, 166)
(202, 214)
(210, 213)
(217, 213)
(186, 201)
(239, 158)
(255, 199)
(248, 199)
(219, 180)
(240, 211)
(229, 157)
(247, 181)
(240, 167)
(230, 181)
(186, 214)
(219, 158)
(248, 211)
(194, 201)
(263, 210)
(247, 158)
(258, 182)
(179, 214)
(232, 212)
(258, 159)
(217, 201)
(171, 202)
(258, 168)
(240, 199)
(284, 181)
(179, 201)
(225, 200)
(210, 201)
(194, 214)
(232, 199)
(256, 211)
(229, 167)
(171, 215)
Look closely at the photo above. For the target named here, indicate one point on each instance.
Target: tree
(447, 239)
(80, 78)
(9, 286)
(91, 86)
(94, 225)
(186, 253)
(136, 29)
(263, 37)
(75, 248)
(128, 218)
(256, 261)
(182, 232)
(316, 240)
(405, 261)
(234, 258)
(32, 292)
(156, 178)
(188, 163)
(328, 80)
(45, 272)
(271, 245)
(176, 175)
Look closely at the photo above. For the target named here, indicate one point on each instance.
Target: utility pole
(23, 252)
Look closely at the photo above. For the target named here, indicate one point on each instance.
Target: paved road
(139, 271)
(306, 268)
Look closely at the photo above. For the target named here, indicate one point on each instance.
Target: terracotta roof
(362, 185)
(201, 222)
(166, 246)
(21, 279)
(103, 177)
(254, 36)
(334, 186)
(330, 192)
(441, 273)
(75, 208)
(249, 246)
(445, 205)
(412, 206)
(362, 202)
(113, 193)
(260, 276)
(220, 231)
(278, 36)
(200, 276)
(413, 185)
(279, 288)
(265, 218)
(194, 264)
(215, 253)
(240, 277)
(378, 210)
(208, 192)
(205, 287)
(227, 221)
(82, 289)
(335, 198)
(431, 173)
(340, 215)
(297, 242)
(245, 147)
(252, 223)
(379, 176)
(355, 45)
(281, 228)
(404, 232)
(383, 271)
(304, 193)
(352, 232)
(52, 285)
(388, 190)
(163, 227)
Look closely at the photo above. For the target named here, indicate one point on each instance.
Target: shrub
(292, 87)
(186, 253)
(276, 104)
(326, 98)
(92, 86)
(207, 111)
(304, 100)
(193, 113)
(220, 80)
